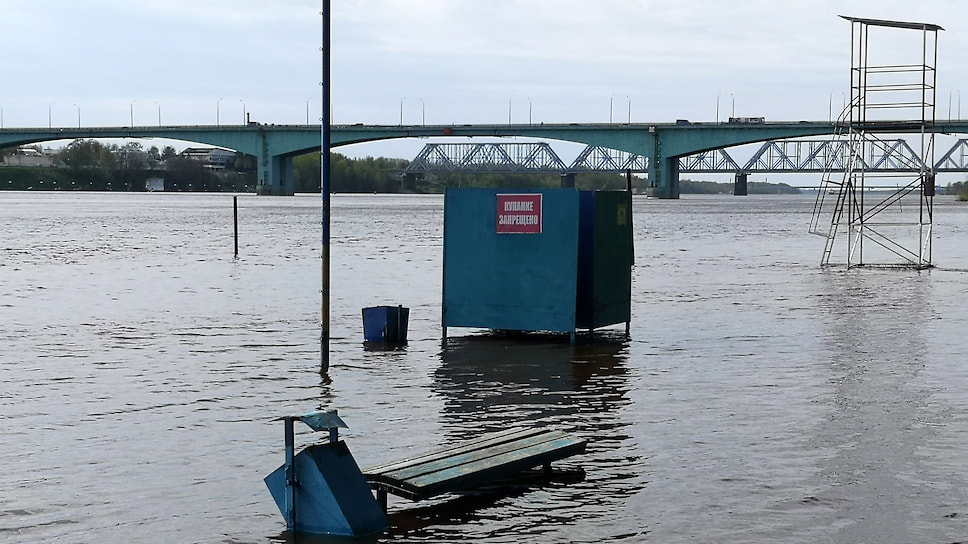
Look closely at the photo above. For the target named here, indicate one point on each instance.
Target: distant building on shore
(27, 156)
(212, 158)
(154, 184)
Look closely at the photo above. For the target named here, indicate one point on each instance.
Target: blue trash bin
(385, 324)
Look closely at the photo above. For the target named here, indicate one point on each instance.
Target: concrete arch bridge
(274, 146)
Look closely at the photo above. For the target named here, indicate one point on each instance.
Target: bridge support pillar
(276, 176)
(663, 177)
(739, 184)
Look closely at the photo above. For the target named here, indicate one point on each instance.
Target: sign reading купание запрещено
(519, 213)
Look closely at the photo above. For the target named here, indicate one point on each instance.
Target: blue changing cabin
(553, 260)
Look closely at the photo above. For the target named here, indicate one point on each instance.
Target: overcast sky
(445, 61)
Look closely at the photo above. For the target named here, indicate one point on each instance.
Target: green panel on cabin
(604, 285)
(513, 281)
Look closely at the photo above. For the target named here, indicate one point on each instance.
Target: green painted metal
(274, 146)
(473, 463)
(605, 258)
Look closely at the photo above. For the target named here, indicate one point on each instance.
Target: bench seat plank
(473, 463)
(417, 470)
(449, 451)
(503, 465)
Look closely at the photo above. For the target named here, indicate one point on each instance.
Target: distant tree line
(89, 165)
(383, 175)
(688, 186)
(368, 175)
(959, 188)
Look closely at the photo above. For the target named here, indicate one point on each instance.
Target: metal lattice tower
(887, 97)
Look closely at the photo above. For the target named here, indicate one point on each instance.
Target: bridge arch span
(274, 146)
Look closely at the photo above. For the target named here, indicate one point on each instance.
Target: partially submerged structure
(553, 260)
(893, 89)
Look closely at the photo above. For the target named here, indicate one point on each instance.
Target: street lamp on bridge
(50, 122)
(78, 115)
(509, 108)
(243, 110)
(528, 98)
(610, 103)
(159, 112)
(423, 111)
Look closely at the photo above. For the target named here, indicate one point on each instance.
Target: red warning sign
(519, 213)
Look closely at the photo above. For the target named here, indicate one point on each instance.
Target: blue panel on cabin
(512, 281)
(586, 258)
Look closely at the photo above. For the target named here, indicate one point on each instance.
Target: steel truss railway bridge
(663, 146)
(773, 156)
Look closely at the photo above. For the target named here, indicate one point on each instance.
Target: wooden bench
(471, 464)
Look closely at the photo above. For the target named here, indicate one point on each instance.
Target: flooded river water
(759, 398)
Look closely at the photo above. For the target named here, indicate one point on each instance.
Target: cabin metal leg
(381, 497)
(290, 510)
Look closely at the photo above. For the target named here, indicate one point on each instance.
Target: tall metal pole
(324, 189)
